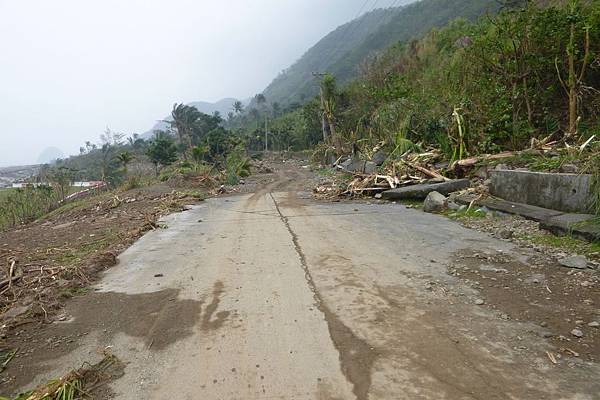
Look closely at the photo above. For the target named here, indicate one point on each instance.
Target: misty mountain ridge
(342, 51)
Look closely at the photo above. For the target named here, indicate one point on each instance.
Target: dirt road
(274, 296)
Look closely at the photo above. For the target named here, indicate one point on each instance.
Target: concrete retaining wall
(563, 192)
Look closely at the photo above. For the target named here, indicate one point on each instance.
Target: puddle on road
(208, 324)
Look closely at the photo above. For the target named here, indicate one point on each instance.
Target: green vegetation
(566, 243)
(19, 206)
(162, 150)
(504, 82)
(344, 51)
(74, 255)
(77, 384)
(477, 87)
(466, 213)
(466, 88)
(73, 292)
(4, 193)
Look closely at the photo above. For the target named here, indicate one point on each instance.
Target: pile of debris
(412, 175)
(261, 166)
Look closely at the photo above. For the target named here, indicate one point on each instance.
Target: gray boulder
(421, 191)
(578, 262)
(435, 202)
(453, 206)
(379, 157)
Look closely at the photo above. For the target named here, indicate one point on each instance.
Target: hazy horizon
(75, 68)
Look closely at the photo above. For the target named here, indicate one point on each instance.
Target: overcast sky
(70, 68)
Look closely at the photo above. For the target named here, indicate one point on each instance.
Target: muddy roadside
(59, 257)
(563, 301)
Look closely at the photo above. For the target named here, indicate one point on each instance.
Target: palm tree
(184, 118)
(238, 107)
(125, 158)
(260, 99)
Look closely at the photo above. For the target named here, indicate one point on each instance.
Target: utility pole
(266, 137)
(323, 126)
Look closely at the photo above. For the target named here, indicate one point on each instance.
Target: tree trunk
(515, 114)
(528, 103)
(572, 83)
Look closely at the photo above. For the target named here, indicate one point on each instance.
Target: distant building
(88, 184)
(21, 185)
(83, 184)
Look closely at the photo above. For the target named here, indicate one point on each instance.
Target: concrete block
(359, 166)
(563, 192)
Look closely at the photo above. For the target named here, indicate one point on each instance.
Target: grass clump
(466, 213)
(25, 205)
(567, 243)
(77, 384)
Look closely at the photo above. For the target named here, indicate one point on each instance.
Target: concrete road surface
(276, 296)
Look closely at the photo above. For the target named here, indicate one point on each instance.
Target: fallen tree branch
(13, 275)
(470, 162)
(428, 172)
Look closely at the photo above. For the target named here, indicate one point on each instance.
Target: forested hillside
(343, 51)
(524, 77)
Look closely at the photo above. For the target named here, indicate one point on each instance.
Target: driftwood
(583, 146)
(428, 172)
(470, 162)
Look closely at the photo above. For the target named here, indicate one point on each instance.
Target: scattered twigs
(551, 358)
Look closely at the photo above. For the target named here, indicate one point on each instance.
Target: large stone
(421, 191)
(563, 192)
(370, 167)
(435, 202)
(379, 157)
(578, 262)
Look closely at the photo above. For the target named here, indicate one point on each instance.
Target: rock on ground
(421, 191)
(578, 262)
(435, 202)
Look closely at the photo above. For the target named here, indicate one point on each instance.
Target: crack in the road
(356, 355)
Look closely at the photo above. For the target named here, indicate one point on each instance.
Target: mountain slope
(343, 50)
(285, 88)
